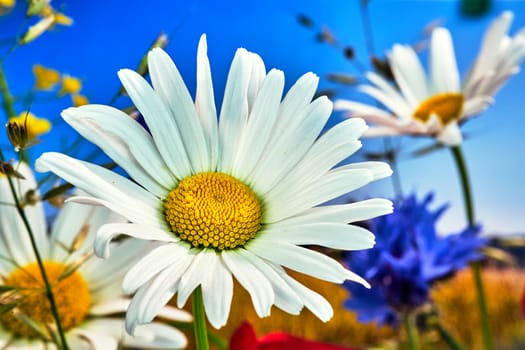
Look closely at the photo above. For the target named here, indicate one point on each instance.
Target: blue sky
(108, 35)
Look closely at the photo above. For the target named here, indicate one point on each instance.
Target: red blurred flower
(244, 338)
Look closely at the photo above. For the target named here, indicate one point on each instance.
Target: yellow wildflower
(503, 287)
(70, 85)
(59, 18)
(35, 126)
(49, 17)
(6, 5)
(79, 100)
(45, 78)
(62, 19)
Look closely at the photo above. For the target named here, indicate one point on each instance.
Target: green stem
(448, 337)
(199, 321)
(7, 98)
(475, 266)
(49, 290)
(411, 332)
(214, 338)
(465, 184)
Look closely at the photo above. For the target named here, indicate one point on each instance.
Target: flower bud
(17, 134)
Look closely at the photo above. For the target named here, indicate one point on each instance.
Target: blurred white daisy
(436, 105)
(86, 288)
(234, 196)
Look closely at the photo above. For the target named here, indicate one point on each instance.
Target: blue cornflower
(409, 256)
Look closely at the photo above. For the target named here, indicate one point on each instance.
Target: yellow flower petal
(45, 78)
(35, 126)
(6, 6)
(70, 85)
(79, 100)
(62, 19)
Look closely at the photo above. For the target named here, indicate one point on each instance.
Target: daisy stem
(199, 320)
(411, 332)
(475, 266)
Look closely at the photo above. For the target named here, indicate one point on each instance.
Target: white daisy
(234, 196)
(89, 299)
(438, 104)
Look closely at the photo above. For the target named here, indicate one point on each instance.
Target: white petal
(257, 75)
(450, 135)
(409, 74)
(109, 231)
(163, 127)
(252, 280)
(393, 94)
(298, 97)
(150, 265)
(313, 301)
(195, 273)
(444, 70)
(159, 336)
(369, 113)
(126, 197)
(72, 219)
(380, 131)
(334, 146)
(234, 109)
(260, 124)
(286, 202)
(205, 103)
(285, 297)
(379, 170)
(476, 105)
(402, 110)
(341, 213)
(283, 154)
(169, 84)
(124, 141)
(336, 236)
(98, 340)
(151, 298)
(487, 54)
(174, 314)
(102, 274)
(109, 307)
(299, 259)
(217, 293)
(14, 235)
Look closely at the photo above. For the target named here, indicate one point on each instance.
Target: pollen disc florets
(446, 106)
(70, 291)
(213, 210)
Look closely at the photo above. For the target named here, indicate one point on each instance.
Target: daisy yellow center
(71, 295)
(213, 210)
(447, 107)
